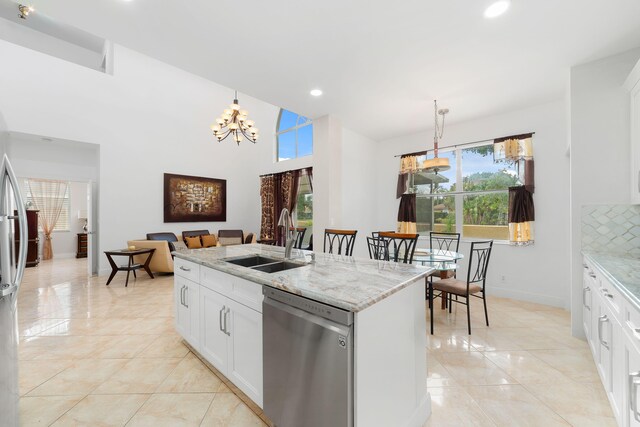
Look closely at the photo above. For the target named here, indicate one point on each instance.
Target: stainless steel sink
(277, 266)
(251, 260)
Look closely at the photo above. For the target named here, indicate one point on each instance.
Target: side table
(131, 266)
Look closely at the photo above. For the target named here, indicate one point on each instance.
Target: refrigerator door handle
(8, 180)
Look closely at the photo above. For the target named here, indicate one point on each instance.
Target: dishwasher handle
(320, 321)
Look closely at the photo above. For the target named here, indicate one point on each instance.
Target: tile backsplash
(611, 228)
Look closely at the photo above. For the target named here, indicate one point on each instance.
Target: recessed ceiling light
(315, 92)
(497, 8)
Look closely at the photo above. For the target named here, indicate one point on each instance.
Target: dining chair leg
(486, 314)
(450, 302)
(468, 315)
(431, 305)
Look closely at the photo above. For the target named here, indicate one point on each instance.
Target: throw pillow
(194, 242)
(226, 241)
(179, 246)
(209, 240)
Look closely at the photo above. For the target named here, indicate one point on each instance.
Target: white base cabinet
(221, 318)
(612, 327)
(220, 315)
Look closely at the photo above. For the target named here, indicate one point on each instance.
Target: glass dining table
(442, 260)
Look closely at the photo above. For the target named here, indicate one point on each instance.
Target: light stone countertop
(345, 282)
(623, 272)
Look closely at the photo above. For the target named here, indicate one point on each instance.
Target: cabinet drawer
(247, 293)
(216, 280)
(186, 269)
(611, 296)
(631, 322)
(240, 290)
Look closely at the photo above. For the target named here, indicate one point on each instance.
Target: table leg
(114, 268)
(128, 271)
(443, 303)
(430, 292)
(147, 262)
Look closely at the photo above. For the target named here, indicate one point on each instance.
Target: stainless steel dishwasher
(307, 361)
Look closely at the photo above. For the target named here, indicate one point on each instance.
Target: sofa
(162, 261)
(166, 242)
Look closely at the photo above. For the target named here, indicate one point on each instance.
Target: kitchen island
(219, 312)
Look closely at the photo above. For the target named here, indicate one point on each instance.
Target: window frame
(459, 195)
(295, 210)
(294, 129)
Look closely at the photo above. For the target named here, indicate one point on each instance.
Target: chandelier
(437, 164)
(233, 121)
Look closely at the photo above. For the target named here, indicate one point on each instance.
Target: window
(471, 198)
(48, 191)
(294, 136)
(304, 208)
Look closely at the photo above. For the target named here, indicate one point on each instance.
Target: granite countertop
(345, 282)
(623, 272)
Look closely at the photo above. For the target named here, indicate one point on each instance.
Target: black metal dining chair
(339, 242)
(299, 233)
(399, 246)
(377, 248)
(473, 287)
(445, 242)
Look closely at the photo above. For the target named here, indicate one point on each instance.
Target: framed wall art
(194, 198)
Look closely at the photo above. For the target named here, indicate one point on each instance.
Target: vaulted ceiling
(379, 63)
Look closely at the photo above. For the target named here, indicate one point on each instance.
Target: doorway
(68, 171)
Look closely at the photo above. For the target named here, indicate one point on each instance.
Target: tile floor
(92, 355)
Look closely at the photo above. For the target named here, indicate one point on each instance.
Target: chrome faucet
(285, 221)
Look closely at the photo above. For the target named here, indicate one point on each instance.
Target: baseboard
(64, 255)
(528, 296)
(422, 413)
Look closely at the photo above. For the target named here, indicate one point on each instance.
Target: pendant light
(234, 121)
(437, 164)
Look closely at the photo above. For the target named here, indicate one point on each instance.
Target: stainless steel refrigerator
(12, 261)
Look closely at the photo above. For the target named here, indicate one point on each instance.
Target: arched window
(294, 136)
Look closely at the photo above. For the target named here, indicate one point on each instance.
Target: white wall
(327, 177)
(600, 142)
(358, 190)
(34, 39)
(148, 118)
(4, 135)
(537, 273)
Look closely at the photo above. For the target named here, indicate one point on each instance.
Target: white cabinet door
(245, 350)
(610, 365)
(603, 339)
(587, 298)
(181, 311)
(213, 345)
(187, 311)
(631, 417)
(192, 301)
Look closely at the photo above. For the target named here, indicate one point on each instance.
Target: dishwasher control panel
(314, 307)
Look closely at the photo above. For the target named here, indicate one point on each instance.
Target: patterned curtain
(48, 197)
(278, 191)
(407, 214)
(267, 199)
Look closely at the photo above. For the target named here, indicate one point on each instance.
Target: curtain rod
(463, 144)
(292, 170)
